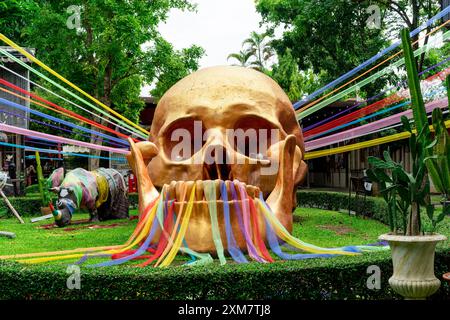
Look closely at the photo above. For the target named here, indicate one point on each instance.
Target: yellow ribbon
(284, 235)
(184, 224)
(362, 145)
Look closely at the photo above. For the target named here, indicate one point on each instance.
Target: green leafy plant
(440, 159)
(403, 191)
(406, 192)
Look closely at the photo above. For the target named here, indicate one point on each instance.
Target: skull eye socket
(253, 136)
(183, 138)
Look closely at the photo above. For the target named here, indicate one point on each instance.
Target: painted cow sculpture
(102, 192)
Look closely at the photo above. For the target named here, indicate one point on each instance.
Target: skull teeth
(174, 190)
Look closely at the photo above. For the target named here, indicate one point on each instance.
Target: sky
(218, 26)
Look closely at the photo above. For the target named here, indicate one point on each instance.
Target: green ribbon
(210, 194)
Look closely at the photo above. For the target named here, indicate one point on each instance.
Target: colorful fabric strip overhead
(369, 128)
(369, 79)
(366, 63)
(49, 117)
(28, 67)
(441, 74)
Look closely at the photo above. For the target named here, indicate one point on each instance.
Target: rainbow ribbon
(161, 216)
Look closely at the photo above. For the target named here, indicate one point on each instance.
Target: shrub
(25, 206)
(374, 208)
(34, 188)
(330, 279)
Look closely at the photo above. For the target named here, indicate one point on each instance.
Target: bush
(339, 278)
(34, 188)
(25, 206)
(133, 199)
(375, 208)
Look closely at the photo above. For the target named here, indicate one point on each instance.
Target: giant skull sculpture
(220, 99)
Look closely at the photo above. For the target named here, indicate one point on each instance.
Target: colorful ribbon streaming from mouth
(160, 235)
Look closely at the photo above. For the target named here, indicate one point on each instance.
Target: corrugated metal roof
(16, 54)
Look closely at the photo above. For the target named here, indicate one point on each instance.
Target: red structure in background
(132, 183)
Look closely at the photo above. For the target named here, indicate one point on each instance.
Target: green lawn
(315, 226)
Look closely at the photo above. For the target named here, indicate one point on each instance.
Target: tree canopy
(329, 35)
(109, 48)
(114, 50)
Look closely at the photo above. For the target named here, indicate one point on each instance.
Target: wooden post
(11, 207)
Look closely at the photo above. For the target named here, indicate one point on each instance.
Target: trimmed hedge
(340, 278)
(374, 208)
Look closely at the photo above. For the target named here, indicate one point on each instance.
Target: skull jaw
(199, 231)
(199, 236)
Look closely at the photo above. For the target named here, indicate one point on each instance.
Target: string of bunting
(370, 127)
(49, 117)
(378, 113)
(32, 133)
(362, 145)
(60, 109)
(28, 148)
(60, 128)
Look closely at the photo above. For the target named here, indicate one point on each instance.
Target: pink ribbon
(50, 137)
(367, 128)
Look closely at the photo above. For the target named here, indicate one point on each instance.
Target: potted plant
(413, 245)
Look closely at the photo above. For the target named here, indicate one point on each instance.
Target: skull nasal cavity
(216, 163)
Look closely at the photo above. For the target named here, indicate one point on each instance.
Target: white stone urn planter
(413, 261)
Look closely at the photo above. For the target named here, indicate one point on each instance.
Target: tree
(14, 16)
(256, 51)
(325, 35)
(295, 83)
(259, 48)
(412, 13)
(243, 57)
(174, 65)
(112, 51)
